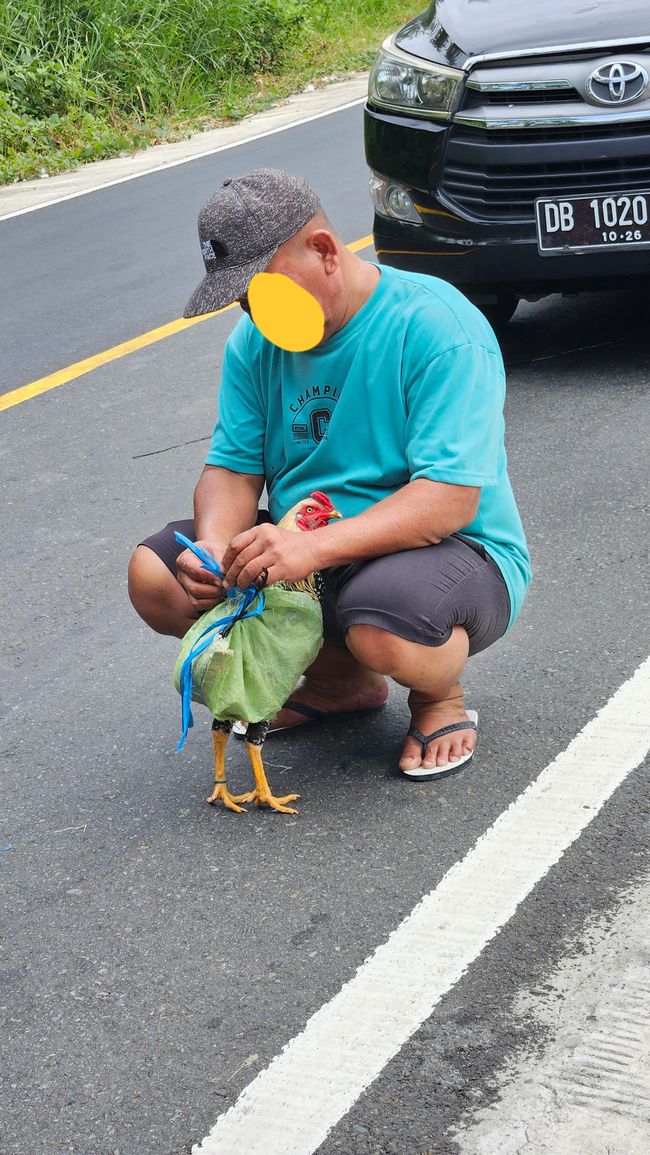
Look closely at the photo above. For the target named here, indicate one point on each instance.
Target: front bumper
(484, 257)
(491, 265)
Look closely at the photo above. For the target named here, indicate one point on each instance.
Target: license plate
(617, 221)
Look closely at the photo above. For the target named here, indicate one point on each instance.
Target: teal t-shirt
(413, 386)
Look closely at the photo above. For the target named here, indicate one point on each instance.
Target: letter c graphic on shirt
(319, 420)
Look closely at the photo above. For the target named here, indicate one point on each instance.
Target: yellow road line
(62, 376)
(357, 246)
(53, 380)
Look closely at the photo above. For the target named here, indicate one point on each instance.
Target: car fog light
(399, 202)
(391, 199)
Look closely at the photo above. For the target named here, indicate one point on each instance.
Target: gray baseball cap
(241, 228)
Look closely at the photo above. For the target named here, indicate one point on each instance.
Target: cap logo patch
(213, 250)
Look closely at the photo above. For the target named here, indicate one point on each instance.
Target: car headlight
(421, 89)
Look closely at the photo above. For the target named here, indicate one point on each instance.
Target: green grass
(95, 78)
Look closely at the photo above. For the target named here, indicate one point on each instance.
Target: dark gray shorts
(417, 594)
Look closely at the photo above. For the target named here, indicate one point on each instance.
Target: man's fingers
(266, 547)
(246, 566)
(256, 573)
(193, 572)
(204, 597)
(200, 590)
(197, 588)
(203, 594)
(262, 580)
(239, 543)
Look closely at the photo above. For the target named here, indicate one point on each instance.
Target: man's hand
(204, 589)
(286, 556)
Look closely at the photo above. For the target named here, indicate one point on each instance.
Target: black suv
(509, 142)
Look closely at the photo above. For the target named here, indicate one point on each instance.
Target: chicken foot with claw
(221, 793)
(261, 795)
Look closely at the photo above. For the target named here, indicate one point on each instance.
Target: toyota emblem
(618, 83)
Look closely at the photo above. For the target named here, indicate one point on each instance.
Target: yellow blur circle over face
(285, 313)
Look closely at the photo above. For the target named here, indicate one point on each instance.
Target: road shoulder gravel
(590, 1090)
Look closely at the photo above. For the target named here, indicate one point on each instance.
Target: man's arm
(225, 504)
(422, 513)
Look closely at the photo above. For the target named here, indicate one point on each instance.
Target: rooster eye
(309, 509)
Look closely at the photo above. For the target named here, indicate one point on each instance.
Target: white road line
(292, 1105)
(163, 166)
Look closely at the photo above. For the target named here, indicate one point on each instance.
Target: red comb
(321, 498)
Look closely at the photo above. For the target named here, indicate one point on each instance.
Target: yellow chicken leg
(220, 732)
(261, 795)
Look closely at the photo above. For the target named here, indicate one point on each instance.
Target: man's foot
(335, 683)
(340, 698)
(448, 749)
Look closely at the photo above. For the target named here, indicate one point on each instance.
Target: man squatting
(397, 414)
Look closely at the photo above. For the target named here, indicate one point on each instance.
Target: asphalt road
(158, 953)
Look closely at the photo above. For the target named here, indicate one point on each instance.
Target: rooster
(312, 512)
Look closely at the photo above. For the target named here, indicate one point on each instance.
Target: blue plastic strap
(209, 563)
(207, 559)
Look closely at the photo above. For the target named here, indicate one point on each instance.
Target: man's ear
(324, 244)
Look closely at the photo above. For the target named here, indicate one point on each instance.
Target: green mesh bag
(248, 674)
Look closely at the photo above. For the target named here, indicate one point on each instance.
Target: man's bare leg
(432, 673)
(157, 596)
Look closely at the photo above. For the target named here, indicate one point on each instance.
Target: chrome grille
(492, 176)
(528, 129)
(636, 130)
(519, 97)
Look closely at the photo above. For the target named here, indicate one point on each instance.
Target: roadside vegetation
(86, 79)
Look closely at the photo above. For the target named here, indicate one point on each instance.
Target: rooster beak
(334, 514)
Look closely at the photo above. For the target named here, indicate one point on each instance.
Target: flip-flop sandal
(310, 713)
(427, 773)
